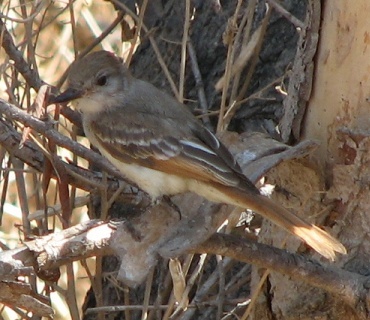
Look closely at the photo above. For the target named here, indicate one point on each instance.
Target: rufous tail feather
(318, 239)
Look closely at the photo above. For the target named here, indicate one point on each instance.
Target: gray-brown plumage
(158, 144)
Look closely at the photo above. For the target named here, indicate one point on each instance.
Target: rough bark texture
(206, 36)
(338, 117)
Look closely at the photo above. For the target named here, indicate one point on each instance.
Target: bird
(159, 145)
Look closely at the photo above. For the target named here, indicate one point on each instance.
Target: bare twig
(30, 75)
(253, 63)
(185, 39)
(245, 29)
(205, 289)
(22, 194)
(21, 295)
(286, 14)
(148, 289)
(70, 294)
(191, 282)
(139, 26)
(154, 46)
(221, 287)
(256, 293)
(199, 85)
(93, 44)
(228, 38)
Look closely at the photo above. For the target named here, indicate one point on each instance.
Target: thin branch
(93, 44)
(351, 287)
(185, 39)
(286, 14)
(20, 295)
(30, 75)
(156, 50)
(82, 241)
(22, 195)
(199, 85)
(253, 63)
(135, 39)
(228, 38)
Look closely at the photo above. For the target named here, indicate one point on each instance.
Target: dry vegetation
(48, 35)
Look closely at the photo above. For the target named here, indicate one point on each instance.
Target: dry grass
(48, 34)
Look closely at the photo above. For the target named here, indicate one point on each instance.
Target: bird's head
(95, 82)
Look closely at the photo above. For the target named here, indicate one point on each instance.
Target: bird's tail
(315, 237)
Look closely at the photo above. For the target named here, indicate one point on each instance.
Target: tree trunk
(335, 177)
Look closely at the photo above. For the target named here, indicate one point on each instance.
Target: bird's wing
(188, 150)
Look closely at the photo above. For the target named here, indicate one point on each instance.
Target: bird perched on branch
(158, 144)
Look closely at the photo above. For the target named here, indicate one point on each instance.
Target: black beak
(66, 96)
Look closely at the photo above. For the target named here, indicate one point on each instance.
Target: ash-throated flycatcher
(158, 144)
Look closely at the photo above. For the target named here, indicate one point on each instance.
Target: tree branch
(351, 287)
(30, 75)
(96, 237)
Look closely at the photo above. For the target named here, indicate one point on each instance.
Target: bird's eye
(102, 81)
